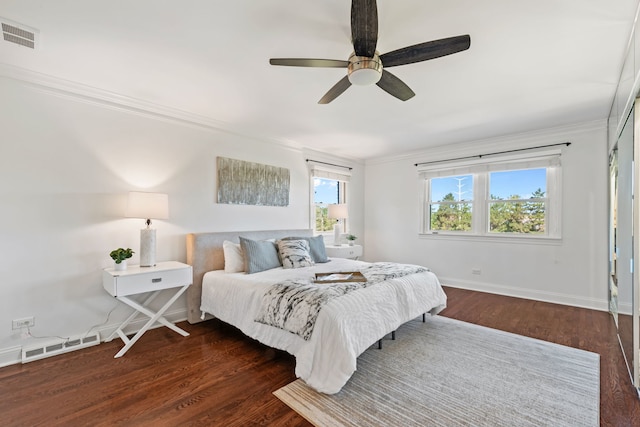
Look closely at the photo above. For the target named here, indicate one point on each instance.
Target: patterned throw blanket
(294, 305)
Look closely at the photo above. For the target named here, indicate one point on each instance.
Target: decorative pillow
(259, 255)
(295, 253)
(233, 257)
(316, 248)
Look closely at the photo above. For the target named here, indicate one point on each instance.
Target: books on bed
(340, 277)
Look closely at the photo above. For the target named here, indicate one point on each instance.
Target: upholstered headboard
(204, 253)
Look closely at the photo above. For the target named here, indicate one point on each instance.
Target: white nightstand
(344, 251)
(138, 280)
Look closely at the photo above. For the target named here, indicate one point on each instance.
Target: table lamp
(147, 206)
(337, 212)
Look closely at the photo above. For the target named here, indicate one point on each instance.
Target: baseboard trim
(13, 355)
(10, 356)
(532, 294)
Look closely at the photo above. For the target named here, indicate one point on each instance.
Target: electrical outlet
(475, 271)
(25, 322)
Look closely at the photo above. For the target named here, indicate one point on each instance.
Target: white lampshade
(147, 206)
(338, 211)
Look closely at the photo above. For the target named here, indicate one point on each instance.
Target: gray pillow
(295, 253)
(259, 255)
(316, 247)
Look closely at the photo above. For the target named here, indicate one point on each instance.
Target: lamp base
(147, 247)
(336, 234)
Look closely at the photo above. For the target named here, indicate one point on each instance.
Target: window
(326, 192)
(515, 196)
(328, 186)
(451, 203)
(517, 201)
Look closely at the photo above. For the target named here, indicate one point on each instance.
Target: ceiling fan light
(365, 77)
(364, 71)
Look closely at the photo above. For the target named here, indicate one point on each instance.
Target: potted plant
(351, 238)
(120, 257)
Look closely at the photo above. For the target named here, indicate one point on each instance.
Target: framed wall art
(248, 183)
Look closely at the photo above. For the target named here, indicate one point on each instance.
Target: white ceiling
(532, 64)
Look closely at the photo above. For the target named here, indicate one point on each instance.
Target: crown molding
(107, 99)
(103, 98)
(513, 141)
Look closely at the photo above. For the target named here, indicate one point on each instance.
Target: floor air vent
(19, 34)
(29, 354)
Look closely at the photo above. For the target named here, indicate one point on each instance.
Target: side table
(139, 280)
(344, 251)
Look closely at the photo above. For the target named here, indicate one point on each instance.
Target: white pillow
(233, 257)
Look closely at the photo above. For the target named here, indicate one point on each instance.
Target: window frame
(329, 173)
(481, 170)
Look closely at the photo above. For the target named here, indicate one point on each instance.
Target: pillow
(316, 248)
(233, 257)
(295, 253)
(259, 255)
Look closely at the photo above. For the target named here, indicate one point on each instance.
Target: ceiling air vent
(19, 34)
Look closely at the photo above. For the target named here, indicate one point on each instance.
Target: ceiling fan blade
(336, 90)
(425, 51)
(309, 62)
(364, 27)
(394, 86)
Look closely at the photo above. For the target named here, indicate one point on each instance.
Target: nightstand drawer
(131, 283)
(344, 251)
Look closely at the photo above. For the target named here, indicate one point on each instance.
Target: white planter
(120, 267)
(351, 242)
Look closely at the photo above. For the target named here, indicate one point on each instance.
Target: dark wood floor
(217, 377)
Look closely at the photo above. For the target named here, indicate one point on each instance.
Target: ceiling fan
(365, 65)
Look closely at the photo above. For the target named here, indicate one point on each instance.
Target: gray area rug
(450, 373)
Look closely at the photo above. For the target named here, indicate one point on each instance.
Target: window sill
(509, 239)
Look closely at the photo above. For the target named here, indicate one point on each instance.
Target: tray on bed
(340, 277)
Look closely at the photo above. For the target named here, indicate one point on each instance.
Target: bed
(345, 326)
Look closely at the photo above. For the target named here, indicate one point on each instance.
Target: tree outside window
(515, 213)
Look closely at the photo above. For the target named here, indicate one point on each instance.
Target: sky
(503, 184)
(326, 191)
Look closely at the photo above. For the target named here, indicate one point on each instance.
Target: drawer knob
(158, 280)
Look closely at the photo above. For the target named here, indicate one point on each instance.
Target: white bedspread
(345, 327)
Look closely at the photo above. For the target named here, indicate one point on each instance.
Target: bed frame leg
(424, 317)
(393, 337)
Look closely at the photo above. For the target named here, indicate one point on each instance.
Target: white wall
(572, 272)
(66, 165)
(67, 162)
